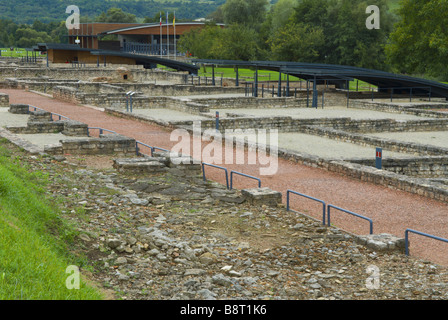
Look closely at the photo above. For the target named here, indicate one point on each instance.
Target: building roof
(155, 25)
(60, 46)
(338, 73)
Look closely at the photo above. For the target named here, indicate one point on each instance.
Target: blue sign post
(378, 158)
(217, 121)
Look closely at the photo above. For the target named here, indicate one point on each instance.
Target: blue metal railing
(157, 148)
(101, 130)
(137, 149)
(214, 166)
(35, 108)
(60, 116)
(244, 175)
(406, 238)
(308, 197)
(349, 212)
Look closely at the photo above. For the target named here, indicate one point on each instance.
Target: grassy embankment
(34, 239)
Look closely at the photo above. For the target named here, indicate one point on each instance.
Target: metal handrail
(137, 149)
(244, 175)
(157, 148)
(308, 197)
(52, 113)
(215, 166)
(101, 130)
(406, 240)
(349, 212)
(60, 116)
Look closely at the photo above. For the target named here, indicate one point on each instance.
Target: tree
(116, 15)
(247, 12)
(347, 39)
(297, 42)
(419, 42)
(281, 12)
(28, 37)
(236, 42)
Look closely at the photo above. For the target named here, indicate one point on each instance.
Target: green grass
(17, 53)
(358, 85)
(244, 74)
(34, 239)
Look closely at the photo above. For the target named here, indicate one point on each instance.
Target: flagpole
(174, 26)
(161, 42)
(167, 37)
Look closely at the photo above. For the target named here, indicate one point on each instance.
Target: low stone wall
(419, 167)
(391, 107)
(104, 145)
(252, 102)
(89, 73)
(363, 140)
(4, 100)
(19, 108)
(154, 89)
(68, 128)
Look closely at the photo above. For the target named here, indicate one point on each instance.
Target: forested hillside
(27, 11)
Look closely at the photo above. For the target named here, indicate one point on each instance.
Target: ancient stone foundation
(19, 108)
(4, 100)
(112, 144)
(262, 196)
(146, 165)
(42, 122)
(382, 242)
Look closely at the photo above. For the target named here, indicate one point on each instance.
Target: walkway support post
(237, 82)
(255, 92)
(279, 89)
(314, 93)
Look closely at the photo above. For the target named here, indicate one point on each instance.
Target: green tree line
(13, 34)
(27, 11)
(412, 38)
(324, 31)
(26, 36)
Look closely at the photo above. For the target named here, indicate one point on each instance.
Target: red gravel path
(392, 211)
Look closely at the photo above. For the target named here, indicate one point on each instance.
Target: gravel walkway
(392, 211)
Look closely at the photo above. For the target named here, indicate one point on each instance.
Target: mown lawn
(34, 239)
(17, 53)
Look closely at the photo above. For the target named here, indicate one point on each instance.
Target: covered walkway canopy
(339, 75)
